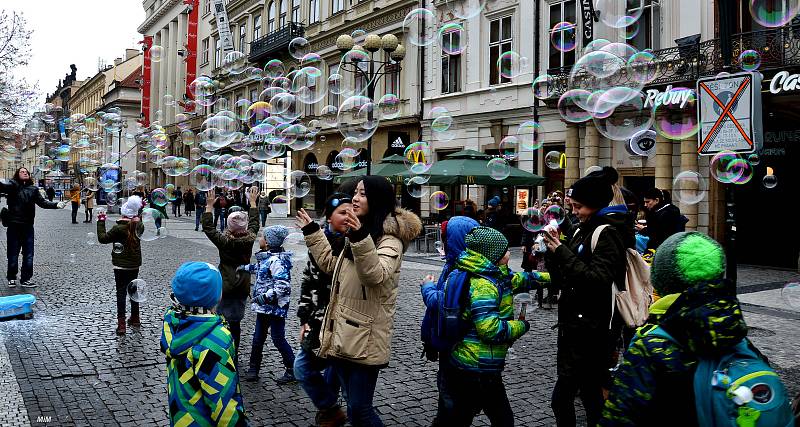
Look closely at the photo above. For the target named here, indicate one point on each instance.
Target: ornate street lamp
(377, 68)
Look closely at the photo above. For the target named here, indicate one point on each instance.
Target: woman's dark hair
(662, 195)
(349, 186)
(380, 197)
(18, 179)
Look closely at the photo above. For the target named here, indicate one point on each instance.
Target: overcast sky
(76, 32)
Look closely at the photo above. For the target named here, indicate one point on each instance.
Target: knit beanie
(685, 260)
(334, 201)
(594, 190)
(275, 235)
(494, 201)
(488, 242)
(197, 284)
(237, 224)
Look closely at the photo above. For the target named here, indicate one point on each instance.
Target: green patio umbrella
(392, 167)
(468, 167)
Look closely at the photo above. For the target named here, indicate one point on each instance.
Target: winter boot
(251, 375)
(121, 325)
(287, 378)
(134, 320)
(331, 417)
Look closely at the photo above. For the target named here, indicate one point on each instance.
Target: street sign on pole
(729, 114)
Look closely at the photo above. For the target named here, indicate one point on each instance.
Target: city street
(67, 367)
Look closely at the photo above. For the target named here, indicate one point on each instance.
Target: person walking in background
(271, 292)
(89, 205)
(176, 204)
(75, 199)
(220, 207)
(202, 382)
(663, 218)
(365, 279)
(200, 207)
(22, 196)
(51, 193)
(126, 256)
(492, 215)
(188, 202)
(235, 246)
(263, 209)
(585, 334)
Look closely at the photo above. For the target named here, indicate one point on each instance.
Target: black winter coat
(584, 308)
(21, 201)
(662, 222)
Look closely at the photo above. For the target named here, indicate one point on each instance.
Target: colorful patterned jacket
(273, 270)
(654, 384)
(202, 383)
(491, 312)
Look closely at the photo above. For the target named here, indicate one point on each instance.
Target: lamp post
(377, 67)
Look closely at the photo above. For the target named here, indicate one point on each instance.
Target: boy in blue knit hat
(202, 383)
(271, 291)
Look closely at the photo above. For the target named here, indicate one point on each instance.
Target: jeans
(75, 206)
(563, 401)
(176, 207)
(465, 394)
(278, 324)
(317, 379)
(20, 236)
(358, 384)
(219, 216)
(263, 214)
(197, 215)
(122, 278)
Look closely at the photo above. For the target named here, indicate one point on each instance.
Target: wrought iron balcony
(275, 41)
(684, 65)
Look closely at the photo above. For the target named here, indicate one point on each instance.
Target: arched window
(271, 17)
(284, 7)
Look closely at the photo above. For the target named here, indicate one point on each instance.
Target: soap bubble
(439, 200)
(299, 47)
(569, 106)
(418, 157)
(499, 169)
(533, 220)
(509, 148)
(769, 181)
(791, 295)
(463, 9)
(91, 238)
(357, 118)
(554, 213)
(749, 60)
(149, 230)
(420, 24)
(642, 67)
(159, 197)
(774, 14)
(553, 160)
(563, 36)
(754, 159)
(509, 65)
(280, 205)
(616, 14)
(156, 53)
(531, 135)
(299, 184)
(137, 290)
(523, 305)
(389, 107)
(677, 119)
(689, 188)
(324, 173)
(453, 38)
(727, 167)
(415, 187)
(543, 86)
(90, 183)
(274, 69)
(626, 118)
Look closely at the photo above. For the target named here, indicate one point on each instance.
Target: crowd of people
(348, 294)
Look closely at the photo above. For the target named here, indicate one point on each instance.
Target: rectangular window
(392, 79)
(500, 41)
(313, 11)
(648, 25)
(242, 36)
(561, 12)
(257, 27)
(338, 6)
(333, 98)
(361, 77)
(253, 95)
(296, 11)
(204, 49)
(451, 66)
(218, 54)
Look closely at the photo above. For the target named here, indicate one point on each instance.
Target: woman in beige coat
(89, 203)
(358, 324)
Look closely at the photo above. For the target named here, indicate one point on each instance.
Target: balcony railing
(684, 65)
(275, 41)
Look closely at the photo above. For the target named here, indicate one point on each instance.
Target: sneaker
(12, 283)
(251, 375)
(28, 284)
(287, 378)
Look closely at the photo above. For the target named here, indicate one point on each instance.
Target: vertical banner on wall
(146, 78)
(587, 23)
(191, 50)
(223, 26)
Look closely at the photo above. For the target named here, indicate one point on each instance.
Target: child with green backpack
(694, 366)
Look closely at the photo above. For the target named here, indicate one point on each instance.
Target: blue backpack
(739, 389)
(443, 326)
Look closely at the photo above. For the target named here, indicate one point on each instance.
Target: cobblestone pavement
(69, 365)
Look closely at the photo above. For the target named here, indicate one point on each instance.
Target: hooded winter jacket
(202, 383)
(358, 322)
(654, 384)
(273, 270)
(315, 294)
(584, 308)
(662, 222)
(131, 255)
(233, 252)
(21, 199)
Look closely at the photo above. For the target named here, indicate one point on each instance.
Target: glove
(61, 205)
(101, 217)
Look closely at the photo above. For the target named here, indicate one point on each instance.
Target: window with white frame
(648, 27)
(313, 11)
(296, 11)
(563, 11)
(271, 17)
(204, 49)
(282, 17)
(361, 77)
(451, 65)
(242, 36)
(392, 79)
(333, 98)
(257, 27)
(218, 53)
(338, 6)
(500, 41)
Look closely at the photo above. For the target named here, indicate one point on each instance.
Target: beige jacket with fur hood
(358, 323)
